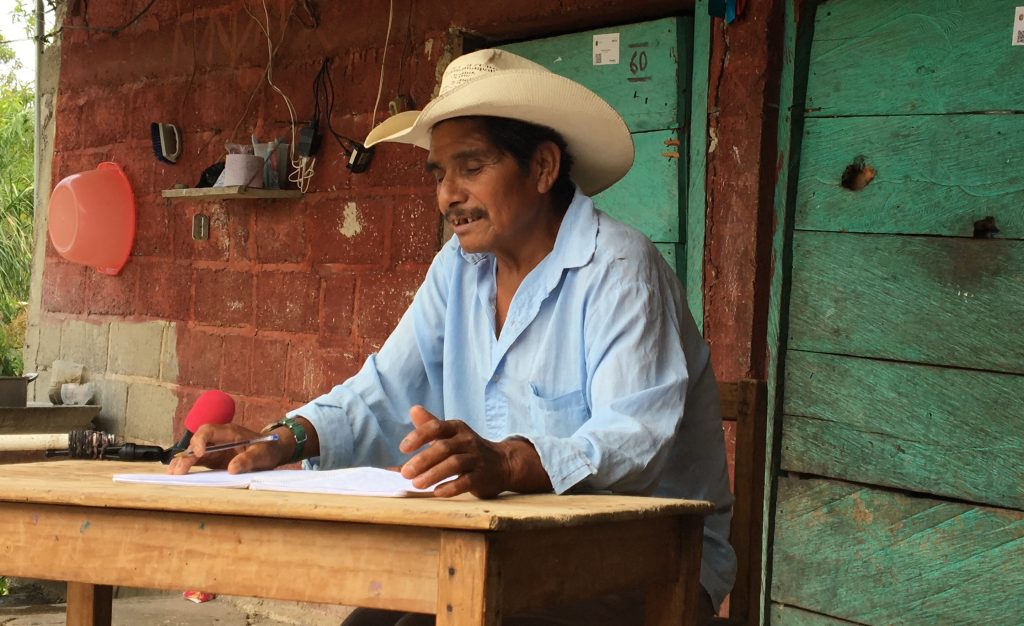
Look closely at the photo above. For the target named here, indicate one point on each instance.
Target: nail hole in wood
(858, 175)
(986, 228)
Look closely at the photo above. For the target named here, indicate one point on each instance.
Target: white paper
(212, 478)
(1018, 27)
(354, 481)
(606, 49)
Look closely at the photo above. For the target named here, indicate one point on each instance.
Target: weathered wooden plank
(696, 191)
(647, 198)
(175, 550)
(935, 175)
(782, 615)
(88, 483)
(746, 402)
(89, 605)
(644, 86)
(539, 567)
(953, 56)
(676, 602)
(948, 432)
(878, 557)
(798, 22)
(944, 301)
(468, 581)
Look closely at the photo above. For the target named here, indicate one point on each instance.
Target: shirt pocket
(560, 416)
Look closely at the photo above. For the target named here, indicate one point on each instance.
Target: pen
(227, 446)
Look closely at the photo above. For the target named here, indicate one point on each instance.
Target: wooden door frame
(695, 200)
(797, 38)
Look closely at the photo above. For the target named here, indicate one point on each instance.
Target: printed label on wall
(606, 49)
(1018, 27)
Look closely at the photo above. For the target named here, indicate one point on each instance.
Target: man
(549, 347)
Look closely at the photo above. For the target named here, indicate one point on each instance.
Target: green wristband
(297, 431)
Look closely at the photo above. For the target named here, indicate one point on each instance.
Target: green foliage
(12, 336)
(17, 128)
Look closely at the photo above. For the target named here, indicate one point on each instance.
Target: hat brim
(595, 134)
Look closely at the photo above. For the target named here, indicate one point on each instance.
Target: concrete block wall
(133, 366)
(287, 297)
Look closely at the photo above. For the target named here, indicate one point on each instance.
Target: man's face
(490, 202)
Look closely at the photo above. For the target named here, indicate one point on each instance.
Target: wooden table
(467, 560)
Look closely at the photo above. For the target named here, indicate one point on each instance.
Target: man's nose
(450, 193)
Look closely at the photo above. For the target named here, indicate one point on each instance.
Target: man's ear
(547, 159)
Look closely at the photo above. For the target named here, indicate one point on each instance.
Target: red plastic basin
(92, 218)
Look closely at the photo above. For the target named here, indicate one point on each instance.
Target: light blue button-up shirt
(599, 365)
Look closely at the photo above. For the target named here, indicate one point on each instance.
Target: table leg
(89, 605)
(676, 601)
(468, 592)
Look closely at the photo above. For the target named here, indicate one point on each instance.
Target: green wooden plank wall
(879, 57)
(908, 426)
(642, 86)
(904, 357)
(648, 196)
(877, 557)
(782, 615)
(938, 300)
(935, 174)
(649, 87)
(696, 192)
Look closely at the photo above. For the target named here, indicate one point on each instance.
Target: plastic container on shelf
(92, 218)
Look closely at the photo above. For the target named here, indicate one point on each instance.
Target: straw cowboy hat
(502, 84)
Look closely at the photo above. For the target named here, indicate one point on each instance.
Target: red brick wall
(279, 305)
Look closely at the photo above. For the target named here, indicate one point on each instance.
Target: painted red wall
(280, 304)
(743, 98)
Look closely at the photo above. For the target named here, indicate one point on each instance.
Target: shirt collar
(576, 240)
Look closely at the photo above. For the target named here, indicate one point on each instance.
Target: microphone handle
(168, 454)
(134, 452)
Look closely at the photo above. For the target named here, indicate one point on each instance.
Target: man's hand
(481, 467)
(260, 456)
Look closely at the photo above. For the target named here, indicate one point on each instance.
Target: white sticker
(606, 49)
(1018, 27)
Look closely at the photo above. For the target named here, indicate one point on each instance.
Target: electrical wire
(383, 60)
(323, 105)
(303, 167)
(252, 94)
(116, 29)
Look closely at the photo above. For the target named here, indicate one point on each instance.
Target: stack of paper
(354, 481)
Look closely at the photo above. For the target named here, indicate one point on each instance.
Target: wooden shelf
(237, 192)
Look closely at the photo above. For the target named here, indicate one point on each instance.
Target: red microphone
(211, 407)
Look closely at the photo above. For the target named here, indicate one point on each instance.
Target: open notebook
(353, 481)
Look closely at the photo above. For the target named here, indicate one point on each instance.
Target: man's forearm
(309, 450)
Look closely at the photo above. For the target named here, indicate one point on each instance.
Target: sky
(26, 49)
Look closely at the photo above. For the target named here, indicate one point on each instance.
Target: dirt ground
(41, 603)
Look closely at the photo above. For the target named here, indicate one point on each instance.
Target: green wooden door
(901, 497)
(648, 86)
